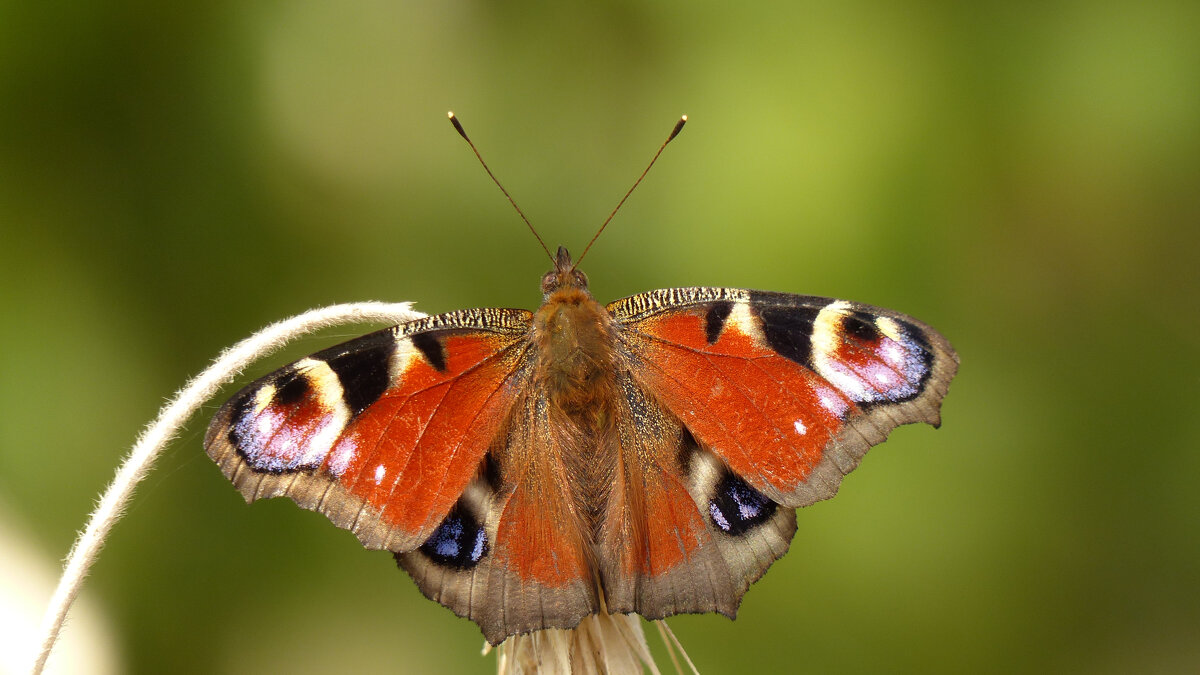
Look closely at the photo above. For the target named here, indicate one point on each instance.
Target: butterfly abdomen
(576, 370)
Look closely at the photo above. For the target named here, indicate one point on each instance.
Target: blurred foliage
(1025, 177)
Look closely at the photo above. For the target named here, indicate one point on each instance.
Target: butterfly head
(564, 275)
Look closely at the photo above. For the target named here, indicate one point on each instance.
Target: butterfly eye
(580, 279)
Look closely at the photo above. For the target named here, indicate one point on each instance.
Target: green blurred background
(1023, 176)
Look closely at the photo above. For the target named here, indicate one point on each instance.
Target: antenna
(674, 132)
(458, 127)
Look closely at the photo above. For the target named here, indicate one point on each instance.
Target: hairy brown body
(577, 369)
(576, 361)
(532, 468)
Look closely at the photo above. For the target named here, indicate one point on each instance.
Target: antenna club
(678, 128)
(458, 127)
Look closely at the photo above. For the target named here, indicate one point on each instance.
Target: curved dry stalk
(673, 643)
(163, 429)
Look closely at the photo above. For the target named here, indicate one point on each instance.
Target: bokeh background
(1025, 177)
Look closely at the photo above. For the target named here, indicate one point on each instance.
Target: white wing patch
(745, 322)
(402, 358)
(831, 400)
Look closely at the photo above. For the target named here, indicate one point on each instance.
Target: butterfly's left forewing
(383, 433)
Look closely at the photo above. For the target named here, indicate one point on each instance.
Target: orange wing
(739, 407)
(428, 440)
(382, 434)
(659, 552)
(537, 572)
(789, 391)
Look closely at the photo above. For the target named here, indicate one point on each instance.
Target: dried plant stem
(602, 644)
(171, 417)
(672, 643)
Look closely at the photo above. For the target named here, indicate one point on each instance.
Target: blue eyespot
(736, 507)
(459, 542)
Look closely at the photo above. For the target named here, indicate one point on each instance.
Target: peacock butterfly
(529, 469)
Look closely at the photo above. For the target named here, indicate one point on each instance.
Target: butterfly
(529, 469)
